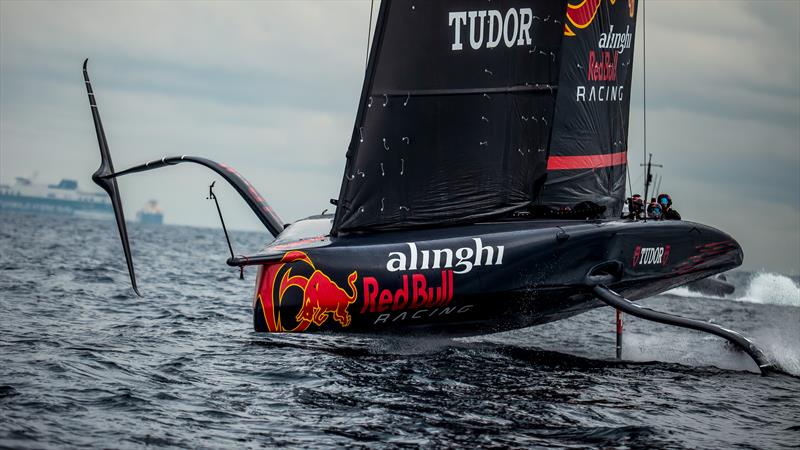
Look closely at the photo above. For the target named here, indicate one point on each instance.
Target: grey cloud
(720, 58)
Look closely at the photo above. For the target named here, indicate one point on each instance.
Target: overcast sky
(271, 88)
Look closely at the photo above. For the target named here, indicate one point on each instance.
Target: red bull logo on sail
(582, 14)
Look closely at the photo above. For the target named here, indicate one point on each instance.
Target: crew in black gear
(666, 208)
(635, 207)
(654, 211)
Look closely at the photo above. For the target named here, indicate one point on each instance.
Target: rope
(369, 31)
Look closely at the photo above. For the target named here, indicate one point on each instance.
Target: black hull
(432, 281)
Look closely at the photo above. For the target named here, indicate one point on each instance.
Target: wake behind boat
(482, 184)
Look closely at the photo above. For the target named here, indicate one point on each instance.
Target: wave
(771, 288)
(683, 291)
(779, 340)
(781, 343)
(762, 288)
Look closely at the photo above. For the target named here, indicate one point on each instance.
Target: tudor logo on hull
(650, 256)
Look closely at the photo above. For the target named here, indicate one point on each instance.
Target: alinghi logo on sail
(616, 41)
(512, 29)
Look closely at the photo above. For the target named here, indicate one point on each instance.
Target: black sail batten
(588, 153)
(452, 129)
(498, 90)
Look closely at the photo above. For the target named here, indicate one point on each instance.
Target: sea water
(84, 362)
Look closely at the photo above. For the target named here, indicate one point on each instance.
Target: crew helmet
(656, 212)
(665, 200)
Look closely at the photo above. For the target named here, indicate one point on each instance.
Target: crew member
(666, 208)
(651, 206)
(654, 211)
(636, 208)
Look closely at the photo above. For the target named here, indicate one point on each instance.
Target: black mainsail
(455, 114)
(468, 108)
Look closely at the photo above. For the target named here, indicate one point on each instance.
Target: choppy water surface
(83, 362)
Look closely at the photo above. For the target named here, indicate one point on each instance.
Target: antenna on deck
(648, 179)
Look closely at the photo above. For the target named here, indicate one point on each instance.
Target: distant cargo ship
(150, 214)
(62, 198)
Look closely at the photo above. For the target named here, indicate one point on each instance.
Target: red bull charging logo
(322, 298)
(582, 14)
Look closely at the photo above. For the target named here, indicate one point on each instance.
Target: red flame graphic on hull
(322, 297)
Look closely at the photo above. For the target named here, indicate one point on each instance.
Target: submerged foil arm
(619, 302)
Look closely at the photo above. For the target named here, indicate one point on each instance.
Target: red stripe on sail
(586, 161)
